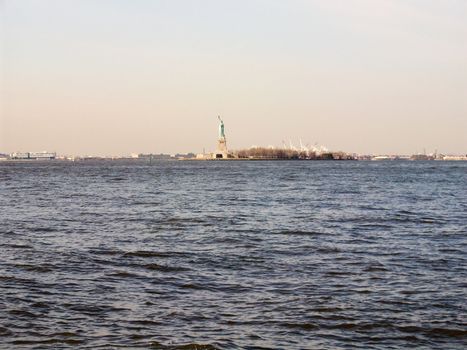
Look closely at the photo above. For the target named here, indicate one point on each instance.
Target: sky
(115, 77)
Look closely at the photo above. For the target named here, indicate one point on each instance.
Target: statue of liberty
(221, 128)
(222, 151)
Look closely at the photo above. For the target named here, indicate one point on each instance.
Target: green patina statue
(221, 128)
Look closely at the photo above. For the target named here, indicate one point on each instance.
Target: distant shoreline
(148, 161)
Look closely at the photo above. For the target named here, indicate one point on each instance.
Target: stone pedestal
(221, 151)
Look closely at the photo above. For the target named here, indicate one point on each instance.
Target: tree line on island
(282, 153)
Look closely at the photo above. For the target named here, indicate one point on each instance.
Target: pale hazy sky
(114, 77)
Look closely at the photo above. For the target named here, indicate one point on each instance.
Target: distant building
(34, 155)
(383, 157)
(455, 157)
(20, 155)
(42, 155)
(421, 157)
(185, 156)
(154, 156)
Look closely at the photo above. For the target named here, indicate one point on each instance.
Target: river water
(233, 255)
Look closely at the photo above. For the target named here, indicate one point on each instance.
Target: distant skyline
(118, 76)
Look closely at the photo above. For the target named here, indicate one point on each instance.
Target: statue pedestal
(221, 151)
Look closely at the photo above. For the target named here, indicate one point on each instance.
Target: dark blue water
(233, 255)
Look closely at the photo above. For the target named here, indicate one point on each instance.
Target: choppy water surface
(205, 255)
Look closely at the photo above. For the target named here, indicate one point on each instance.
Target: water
(233, 255)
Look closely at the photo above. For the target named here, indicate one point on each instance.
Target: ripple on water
(233, 255)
